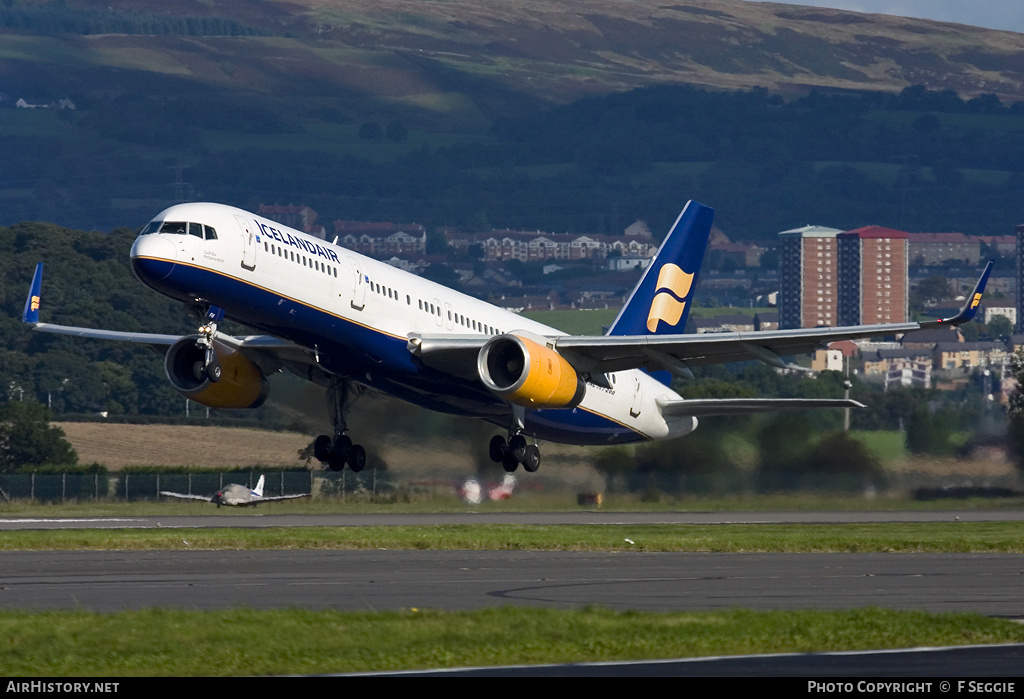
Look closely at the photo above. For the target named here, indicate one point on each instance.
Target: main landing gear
(514, 451)
(335, 452)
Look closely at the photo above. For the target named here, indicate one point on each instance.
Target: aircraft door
(358, 284)
(638, 397)
(248, 243)
(438, 319)
(449, 316)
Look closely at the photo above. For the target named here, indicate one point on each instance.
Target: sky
(993, 14)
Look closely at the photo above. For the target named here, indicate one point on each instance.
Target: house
(908, 373)
(766, 320)
(382, 239)
(970, 355)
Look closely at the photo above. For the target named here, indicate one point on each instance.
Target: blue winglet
(31, 314)
(970, 308)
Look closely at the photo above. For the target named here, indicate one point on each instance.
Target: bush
(28, 439)
(837, 462)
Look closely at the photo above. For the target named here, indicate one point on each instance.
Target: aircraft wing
(184, 496)
(267, 350)
(264, 498)
(597, 355)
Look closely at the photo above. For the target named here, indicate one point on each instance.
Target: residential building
(931, 249)
(301, 218)
(970, 355)
(873, 270)
(382, 239)
(1019, 327)
(915, 373)
(808, 277)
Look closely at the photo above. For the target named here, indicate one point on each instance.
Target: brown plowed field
(118, 445)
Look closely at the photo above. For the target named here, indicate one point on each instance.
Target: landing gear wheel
(335, 464)
(323, 448)
(497, 448)
(531, 461)
(517, 447)
(343, 448)
(357, 458)
(509, 463)
(214, 371)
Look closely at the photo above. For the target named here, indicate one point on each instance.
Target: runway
(253, 518)
(107, 581)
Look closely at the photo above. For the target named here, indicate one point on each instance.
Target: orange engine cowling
(242, 384)
(528, 373)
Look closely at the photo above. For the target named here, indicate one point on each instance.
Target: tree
(933, 289)
(1015, 430)
(929, 433)
(999, 326)
(371, 131)
(396, 131)
(28, 439)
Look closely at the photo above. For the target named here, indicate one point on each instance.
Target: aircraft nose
(153, 257)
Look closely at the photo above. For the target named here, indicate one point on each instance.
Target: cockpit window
(174, 227)
(199, 230)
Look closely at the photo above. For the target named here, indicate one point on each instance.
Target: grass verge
(164, 642)
(942, 537)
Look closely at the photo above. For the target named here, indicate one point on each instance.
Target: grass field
(942, 537)
(244, 642)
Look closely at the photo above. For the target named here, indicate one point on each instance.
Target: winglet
(970, 308)
(31, 313)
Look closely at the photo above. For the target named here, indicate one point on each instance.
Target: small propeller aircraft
(236, 495)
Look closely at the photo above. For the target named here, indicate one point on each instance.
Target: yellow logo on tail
(35, 303)
(670, 296)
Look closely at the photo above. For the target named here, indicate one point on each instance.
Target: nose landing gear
(209, 366)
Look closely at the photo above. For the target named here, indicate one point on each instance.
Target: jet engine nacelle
(242, 384)
(529, 373)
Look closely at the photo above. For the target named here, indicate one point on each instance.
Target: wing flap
(703, 407)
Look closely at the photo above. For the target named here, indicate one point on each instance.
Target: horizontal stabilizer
(703, 407)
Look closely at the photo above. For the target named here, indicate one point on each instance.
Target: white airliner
(236, 495)
(348, 322)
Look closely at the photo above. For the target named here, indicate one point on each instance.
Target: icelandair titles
(286, 239)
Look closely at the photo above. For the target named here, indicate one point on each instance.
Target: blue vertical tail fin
(31, 312)
(660, 303)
